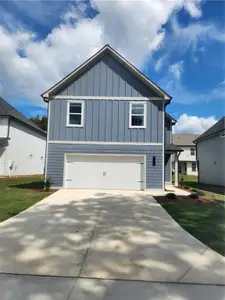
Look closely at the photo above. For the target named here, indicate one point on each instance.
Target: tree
(41, 122)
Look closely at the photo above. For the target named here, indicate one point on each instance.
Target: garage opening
(104, 172)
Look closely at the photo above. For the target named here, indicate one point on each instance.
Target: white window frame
(191, 152)
(68, 113)
(130, 114)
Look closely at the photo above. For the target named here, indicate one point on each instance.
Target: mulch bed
(39, 191)
(185, 200)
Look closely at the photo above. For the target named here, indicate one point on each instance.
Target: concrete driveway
(105, 235)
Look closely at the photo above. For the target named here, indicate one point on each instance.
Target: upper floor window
(75, 113)
(192, 151)
(137, 115)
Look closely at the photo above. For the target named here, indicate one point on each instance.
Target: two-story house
(187, 158)
(106, 127)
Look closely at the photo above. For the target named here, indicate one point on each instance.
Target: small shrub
(201, 193)
(194, 196)
(47, 183)
(186, 187)
(194, 190)
(182, 181)
(171, 196)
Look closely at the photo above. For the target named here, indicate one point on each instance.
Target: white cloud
(176, 69)
(193, 7)
(134, 28)
(193, 124)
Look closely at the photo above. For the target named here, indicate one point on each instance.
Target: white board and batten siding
(123, 172)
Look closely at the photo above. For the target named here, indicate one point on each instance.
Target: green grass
(16, 195)
(216, 192)
(206, 222)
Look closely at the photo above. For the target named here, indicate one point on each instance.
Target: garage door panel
(104, 172)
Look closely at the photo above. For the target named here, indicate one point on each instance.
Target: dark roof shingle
(216, 128)
(184, 139)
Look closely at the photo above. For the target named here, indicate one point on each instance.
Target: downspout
(6, 150)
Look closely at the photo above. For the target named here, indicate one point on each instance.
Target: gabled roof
(105, 50)
(8, 110)
(219, 127)
(184, 139)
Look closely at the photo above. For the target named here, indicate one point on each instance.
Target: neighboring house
(106, 127)
(187, 159)
(211, 154)
(22, 143)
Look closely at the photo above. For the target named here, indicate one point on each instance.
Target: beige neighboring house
(187, 159)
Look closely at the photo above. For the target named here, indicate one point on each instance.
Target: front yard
(17, 194)
(204, 216)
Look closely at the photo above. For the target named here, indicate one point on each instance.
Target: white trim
(46, 149)
(105, 98)
(143, 175)
(136, 71)
(163, 146)
(103, 143)
(68, 113)
(130, 114)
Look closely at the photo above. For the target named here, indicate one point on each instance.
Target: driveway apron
(109, 235)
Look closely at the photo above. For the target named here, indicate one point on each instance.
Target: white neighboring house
(211, 154)
(187, 158)
(22, 143)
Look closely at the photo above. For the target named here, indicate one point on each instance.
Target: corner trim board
(46, 149)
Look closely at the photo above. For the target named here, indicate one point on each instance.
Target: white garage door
(104, 172)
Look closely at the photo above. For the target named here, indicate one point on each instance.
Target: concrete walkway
(20, 287)
(105, 235)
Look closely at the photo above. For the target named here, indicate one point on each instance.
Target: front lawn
(17, 194)
(205, 221)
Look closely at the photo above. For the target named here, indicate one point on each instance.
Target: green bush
(171, 196)
(194, 196)
(201, 193)
(47, 183)
(186, 187)
(194, 190)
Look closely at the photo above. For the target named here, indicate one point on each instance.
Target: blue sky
(179, 45)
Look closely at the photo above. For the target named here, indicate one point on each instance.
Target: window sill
(137, 127)
(78, 126)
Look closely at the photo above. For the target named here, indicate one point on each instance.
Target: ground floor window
(193, 166)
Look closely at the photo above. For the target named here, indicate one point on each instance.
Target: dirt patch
(20, 176)
(39, 191)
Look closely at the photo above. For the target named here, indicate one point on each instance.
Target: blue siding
(107, 77)
(168, 131)
(106, 120)
(56, 154)
(168, 171)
